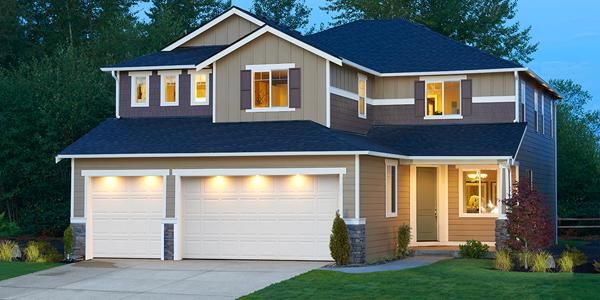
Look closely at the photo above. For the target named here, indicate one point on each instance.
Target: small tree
(528, 223)
(68, 241)
(403, 241)
(339, 242)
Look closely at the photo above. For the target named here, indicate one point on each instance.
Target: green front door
(426, 204)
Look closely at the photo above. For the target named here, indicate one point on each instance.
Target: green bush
(576, 255)
(41, 252)
(403, 241)
(473, 249)
(540, 262)
(503, 260)
(565, 262)
(597, 266)
(6, 250)
(8, 228)
(68, 240)
(525, 259)
(339, 242)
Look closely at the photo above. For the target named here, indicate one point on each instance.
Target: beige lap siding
(213, 163)
(224, 33)
(381, 231)
(463, 229)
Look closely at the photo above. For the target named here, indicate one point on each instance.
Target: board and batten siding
(270, 49)
(381, 232)
(213, 163)
(223, 33)
(468, 228)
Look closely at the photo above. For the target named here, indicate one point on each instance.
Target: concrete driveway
(152, 279)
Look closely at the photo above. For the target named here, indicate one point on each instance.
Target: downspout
(555, 173)
(115, 75)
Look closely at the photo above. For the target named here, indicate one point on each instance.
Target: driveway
(152, 279)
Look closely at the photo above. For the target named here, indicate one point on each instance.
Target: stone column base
(78, 239)
(169, 241)
(501, 234)
(356, 233)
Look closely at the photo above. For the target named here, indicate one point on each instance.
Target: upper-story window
(442, 98)
(523, 107)
(169, 93)
(362, 96)
(199, 87)
(535, 110)
(270, 88)
(140, 88)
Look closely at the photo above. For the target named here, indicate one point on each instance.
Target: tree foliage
(292, 14)
(578, 152)
(339, 242)
(486, 24)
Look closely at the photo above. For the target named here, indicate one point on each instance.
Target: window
(543, 102)
(523, 107)
(442, 98)
(200, 88)
(169, 94)
(391, 188)
(479, 192)
(535, 110)
(362, 96)
(270, 86)
(140, 88)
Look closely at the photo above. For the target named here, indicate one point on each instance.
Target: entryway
(427, 223)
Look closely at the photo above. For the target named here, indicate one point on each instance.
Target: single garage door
(127, 216)
(258, 217)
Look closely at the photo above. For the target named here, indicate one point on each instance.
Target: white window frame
(163, 77)
(536, 122)
(461, 191)
(443, 80)
(524, 99)
(388, 207)
(362, 77)
(193, 99)
(270, 68)
(134, 76)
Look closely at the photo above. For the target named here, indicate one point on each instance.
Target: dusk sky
(568, 33)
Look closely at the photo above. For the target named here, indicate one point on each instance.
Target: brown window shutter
(420, 98)
(295, 88)
(466, 90)
(246, 89)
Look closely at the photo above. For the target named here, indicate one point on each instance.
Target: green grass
(451, 279)
(14, 269)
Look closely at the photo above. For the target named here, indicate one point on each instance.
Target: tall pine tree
(292, 14)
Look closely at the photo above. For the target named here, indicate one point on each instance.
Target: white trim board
(149, 172)
(148, 68)
(493, 99)
(371, 101)
(259, 171)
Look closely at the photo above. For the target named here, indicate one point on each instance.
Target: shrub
(528, 219)
(473, 249)
(503, 260)
(597, 266)
(540, 261)
(576, 255)
(41, 252)
(565, 262)
(8, 228)
(339, 242)
(7, 249)
(403, 240)
(68, 241)
(525, 259)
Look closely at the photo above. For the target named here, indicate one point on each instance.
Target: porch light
(477, 176)
(219, 180)
(257, 180)
(150, 180)
(298, 179)
(110, 180)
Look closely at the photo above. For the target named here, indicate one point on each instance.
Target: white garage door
(127, 216)
(270, 217)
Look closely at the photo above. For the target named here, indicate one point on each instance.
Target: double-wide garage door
(230, 217)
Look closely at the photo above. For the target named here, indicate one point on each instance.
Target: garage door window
(391, 188)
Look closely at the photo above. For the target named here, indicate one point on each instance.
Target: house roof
(500, 139)
(188, 56)
(399, 46)
(195, 135)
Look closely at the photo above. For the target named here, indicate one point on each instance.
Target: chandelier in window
(477, 176)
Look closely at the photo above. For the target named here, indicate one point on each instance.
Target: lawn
(14, 269)
(450, 279)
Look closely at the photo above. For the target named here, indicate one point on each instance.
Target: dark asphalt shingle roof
(397, 45)
(179, 56)
(200, 135)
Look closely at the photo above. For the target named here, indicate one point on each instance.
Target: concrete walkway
(407, 263)
(152, 279)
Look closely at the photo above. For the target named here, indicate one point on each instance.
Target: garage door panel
(278, 217)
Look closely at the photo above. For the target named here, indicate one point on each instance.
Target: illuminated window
(362, 96)
(169, 89)
(443, 98)
(391, 188)
(200, 88)
(139, 88)
(270, 88)
(480, 192)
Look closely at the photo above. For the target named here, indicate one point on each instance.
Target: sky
(568, 33)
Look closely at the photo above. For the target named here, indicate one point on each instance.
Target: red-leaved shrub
(529, 224)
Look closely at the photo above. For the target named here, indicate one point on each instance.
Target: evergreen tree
(292, 14)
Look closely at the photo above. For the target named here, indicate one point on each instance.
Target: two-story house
(242, 139)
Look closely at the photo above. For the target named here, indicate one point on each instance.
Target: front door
(426, 204)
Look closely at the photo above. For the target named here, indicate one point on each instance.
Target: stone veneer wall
(501, 234)
(78, 239)
(169, 242)
(356, 233)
